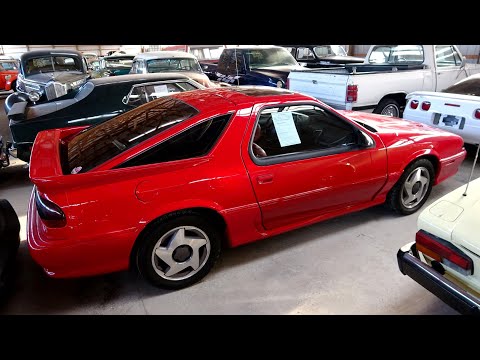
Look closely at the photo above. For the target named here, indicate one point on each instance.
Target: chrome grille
(54, 90)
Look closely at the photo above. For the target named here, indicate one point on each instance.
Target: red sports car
(8, 74)
(163, 187)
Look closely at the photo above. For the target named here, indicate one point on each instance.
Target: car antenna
(471, 173)
(236, 67)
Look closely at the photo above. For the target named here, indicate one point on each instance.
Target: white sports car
(445, 256)
(456, 109)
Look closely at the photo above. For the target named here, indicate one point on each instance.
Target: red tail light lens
(477, 114)
(444, 252)
(352, 92)
(426, 105)
(414, 104)
(50, 213)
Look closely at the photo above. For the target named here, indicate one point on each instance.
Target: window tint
(396, 54)
(173, 64)
(300, 128)
(470, 86)
(95, 145)
(194, 142)
(446, 55)
(227, 63)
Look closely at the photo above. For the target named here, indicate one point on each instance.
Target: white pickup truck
(389, 73)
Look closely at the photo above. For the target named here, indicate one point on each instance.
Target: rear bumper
(433, 281)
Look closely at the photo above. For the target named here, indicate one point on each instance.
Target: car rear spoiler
(17, 111)
(45, 161)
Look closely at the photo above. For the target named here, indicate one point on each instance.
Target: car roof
(119, 56)
(164, 55)
(138, 78)
(38, 53)
(239, 95)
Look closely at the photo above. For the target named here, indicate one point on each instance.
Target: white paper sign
(285, 127)
(159, 90)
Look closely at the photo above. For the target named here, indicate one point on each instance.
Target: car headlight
(33, 96)
(8, 77)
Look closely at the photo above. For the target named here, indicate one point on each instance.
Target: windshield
(173, 64)
(7, 65)
(95, 145)
(119, 62)
(469, 86)
(397, 54)
(53, 63)
(259, 58)
(329, 50)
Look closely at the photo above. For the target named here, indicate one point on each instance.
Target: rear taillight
(50, 213)
(414, 104)
(477, 114)
(444, 252)
(352, 92)
(426, 105)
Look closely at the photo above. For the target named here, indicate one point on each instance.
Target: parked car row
(157, 141)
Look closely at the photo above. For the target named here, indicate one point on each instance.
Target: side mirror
(364, 141)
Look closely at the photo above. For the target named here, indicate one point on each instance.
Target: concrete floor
(345, 265)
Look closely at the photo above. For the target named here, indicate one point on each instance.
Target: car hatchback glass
(100, 143)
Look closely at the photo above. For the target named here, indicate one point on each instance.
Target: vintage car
(455, 109)
(47, 75)
(162, 187)
(96, 101)
(90, 57)
(8, 74)
(119, 64)
(445, 256)
(9, 243)
(314, 56)
(168, 61)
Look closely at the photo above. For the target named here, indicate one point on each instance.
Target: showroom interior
(239, 179)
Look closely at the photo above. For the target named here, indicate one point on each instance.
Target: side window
(305, 54)
(300, 129)
(445, 55)
(194, 142)
(228, 63)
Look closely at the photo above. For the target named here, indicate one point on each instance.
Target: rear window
(95, 145)
(396, 54)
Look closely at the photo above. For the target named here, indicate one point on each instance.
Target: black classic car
(46, 75)
(94, 102)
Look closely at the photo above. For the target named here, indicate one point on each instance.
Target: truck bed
(363, 69)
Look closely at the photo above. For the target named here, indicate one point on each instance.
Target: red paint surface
(106, 209)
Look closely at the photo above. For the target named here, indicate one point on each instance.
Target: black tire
(395, 198)
(9, 243)
(389, 107)
(148, 243)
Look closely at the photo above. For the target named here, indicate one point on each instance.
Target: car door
(305, 161)
(448, 63)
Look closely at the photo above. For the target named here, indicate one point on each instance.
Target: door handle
(265, 179)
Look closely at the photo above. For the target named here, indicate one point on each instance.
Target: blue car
(253, 65)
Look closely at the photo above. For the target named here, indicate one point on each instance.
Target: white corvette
(445, 256)
(455, 109)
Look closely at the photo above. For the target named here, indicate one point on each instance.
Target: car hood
(278, 71)
(60, 76)
(454, 217)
